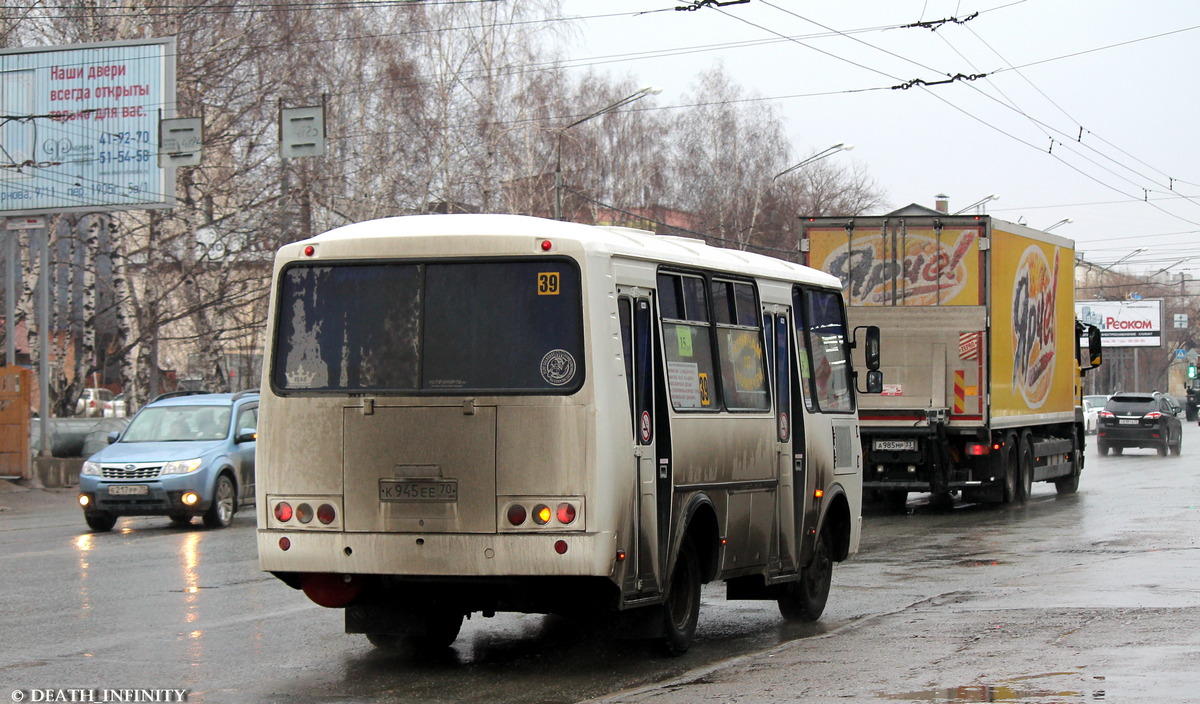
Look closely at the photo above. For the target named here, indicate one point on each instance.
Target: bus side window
(740, 348)
(824, 334)
(687, 343)
(802, 354)
(625, 311)
(644, 375)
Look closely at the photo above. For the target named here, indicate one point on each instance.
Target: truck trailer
(980, 348)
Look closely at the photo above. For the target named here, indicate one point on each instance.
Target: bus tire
(440, 629)
(681, 610)
(804, 600)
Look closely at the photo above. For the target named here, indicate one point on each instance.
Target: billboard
(1124, 323)
(80, 127)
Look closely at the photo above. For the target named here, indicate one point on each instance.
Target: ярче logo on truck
(930, 270)
(1035, 293)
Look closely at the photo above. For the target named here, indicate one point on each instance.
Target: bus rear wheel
(681, 611)
(439, 629)
(804, 600)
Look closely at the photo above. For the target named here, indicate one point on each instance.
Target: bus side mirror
(871, 348)
(874, 382)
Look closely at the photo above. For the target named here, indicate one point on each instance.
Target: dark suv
(183, 455)
(1140, 420)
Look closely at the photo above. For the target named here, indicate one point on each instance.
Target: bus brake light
(283, 512)
(566, 514)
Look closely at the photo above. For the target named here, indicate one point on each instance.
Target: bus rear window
(439, 327)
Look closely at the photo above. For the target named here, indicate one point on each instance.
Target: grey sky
(1123, 73)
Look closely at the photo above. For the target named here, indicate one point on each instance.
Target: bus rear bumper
(434, 554)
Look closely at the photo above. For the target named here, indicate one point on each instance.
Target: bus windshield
(430, 327)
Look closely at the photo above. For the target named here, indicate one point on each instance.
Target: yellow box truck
(980, 347)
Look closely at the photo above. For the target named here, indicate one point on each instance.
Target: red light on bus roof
(309, 250)
(547, 245)
(566, 514)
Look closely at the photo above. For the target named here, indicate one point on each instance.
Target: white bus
(482, 413)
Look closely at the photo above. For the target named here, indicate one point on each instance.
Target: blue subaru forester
(183, 455)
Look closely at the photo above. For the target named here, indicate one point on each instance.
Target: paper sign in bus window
(684, 379)
(684, 335)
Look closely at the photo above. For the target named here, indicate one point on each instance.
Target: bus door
(789, 435)
(637, 313)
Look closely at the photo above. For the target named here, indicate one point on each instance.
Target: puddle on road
(1015, 690)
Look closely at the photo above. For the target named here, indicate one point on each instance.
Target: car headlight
(92, 469)
(182, 466)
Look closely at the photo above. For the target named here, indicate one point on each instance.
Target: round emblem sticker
(558, 367)
(646, 426)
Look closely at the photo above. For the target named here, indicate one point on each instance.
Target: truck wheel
(804, 599)
(681, 610)
(894, 501)
(1025, 462)
(1070, 483)
(101, 522)
(1011, 469)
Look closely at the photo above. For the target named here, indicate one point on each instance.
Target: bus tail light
(541, 513)
(977, 449)
(560, 547)
(310, 512)
(330, 590)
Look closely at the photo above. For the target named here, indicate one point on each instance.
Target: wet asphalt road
(153, 606)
